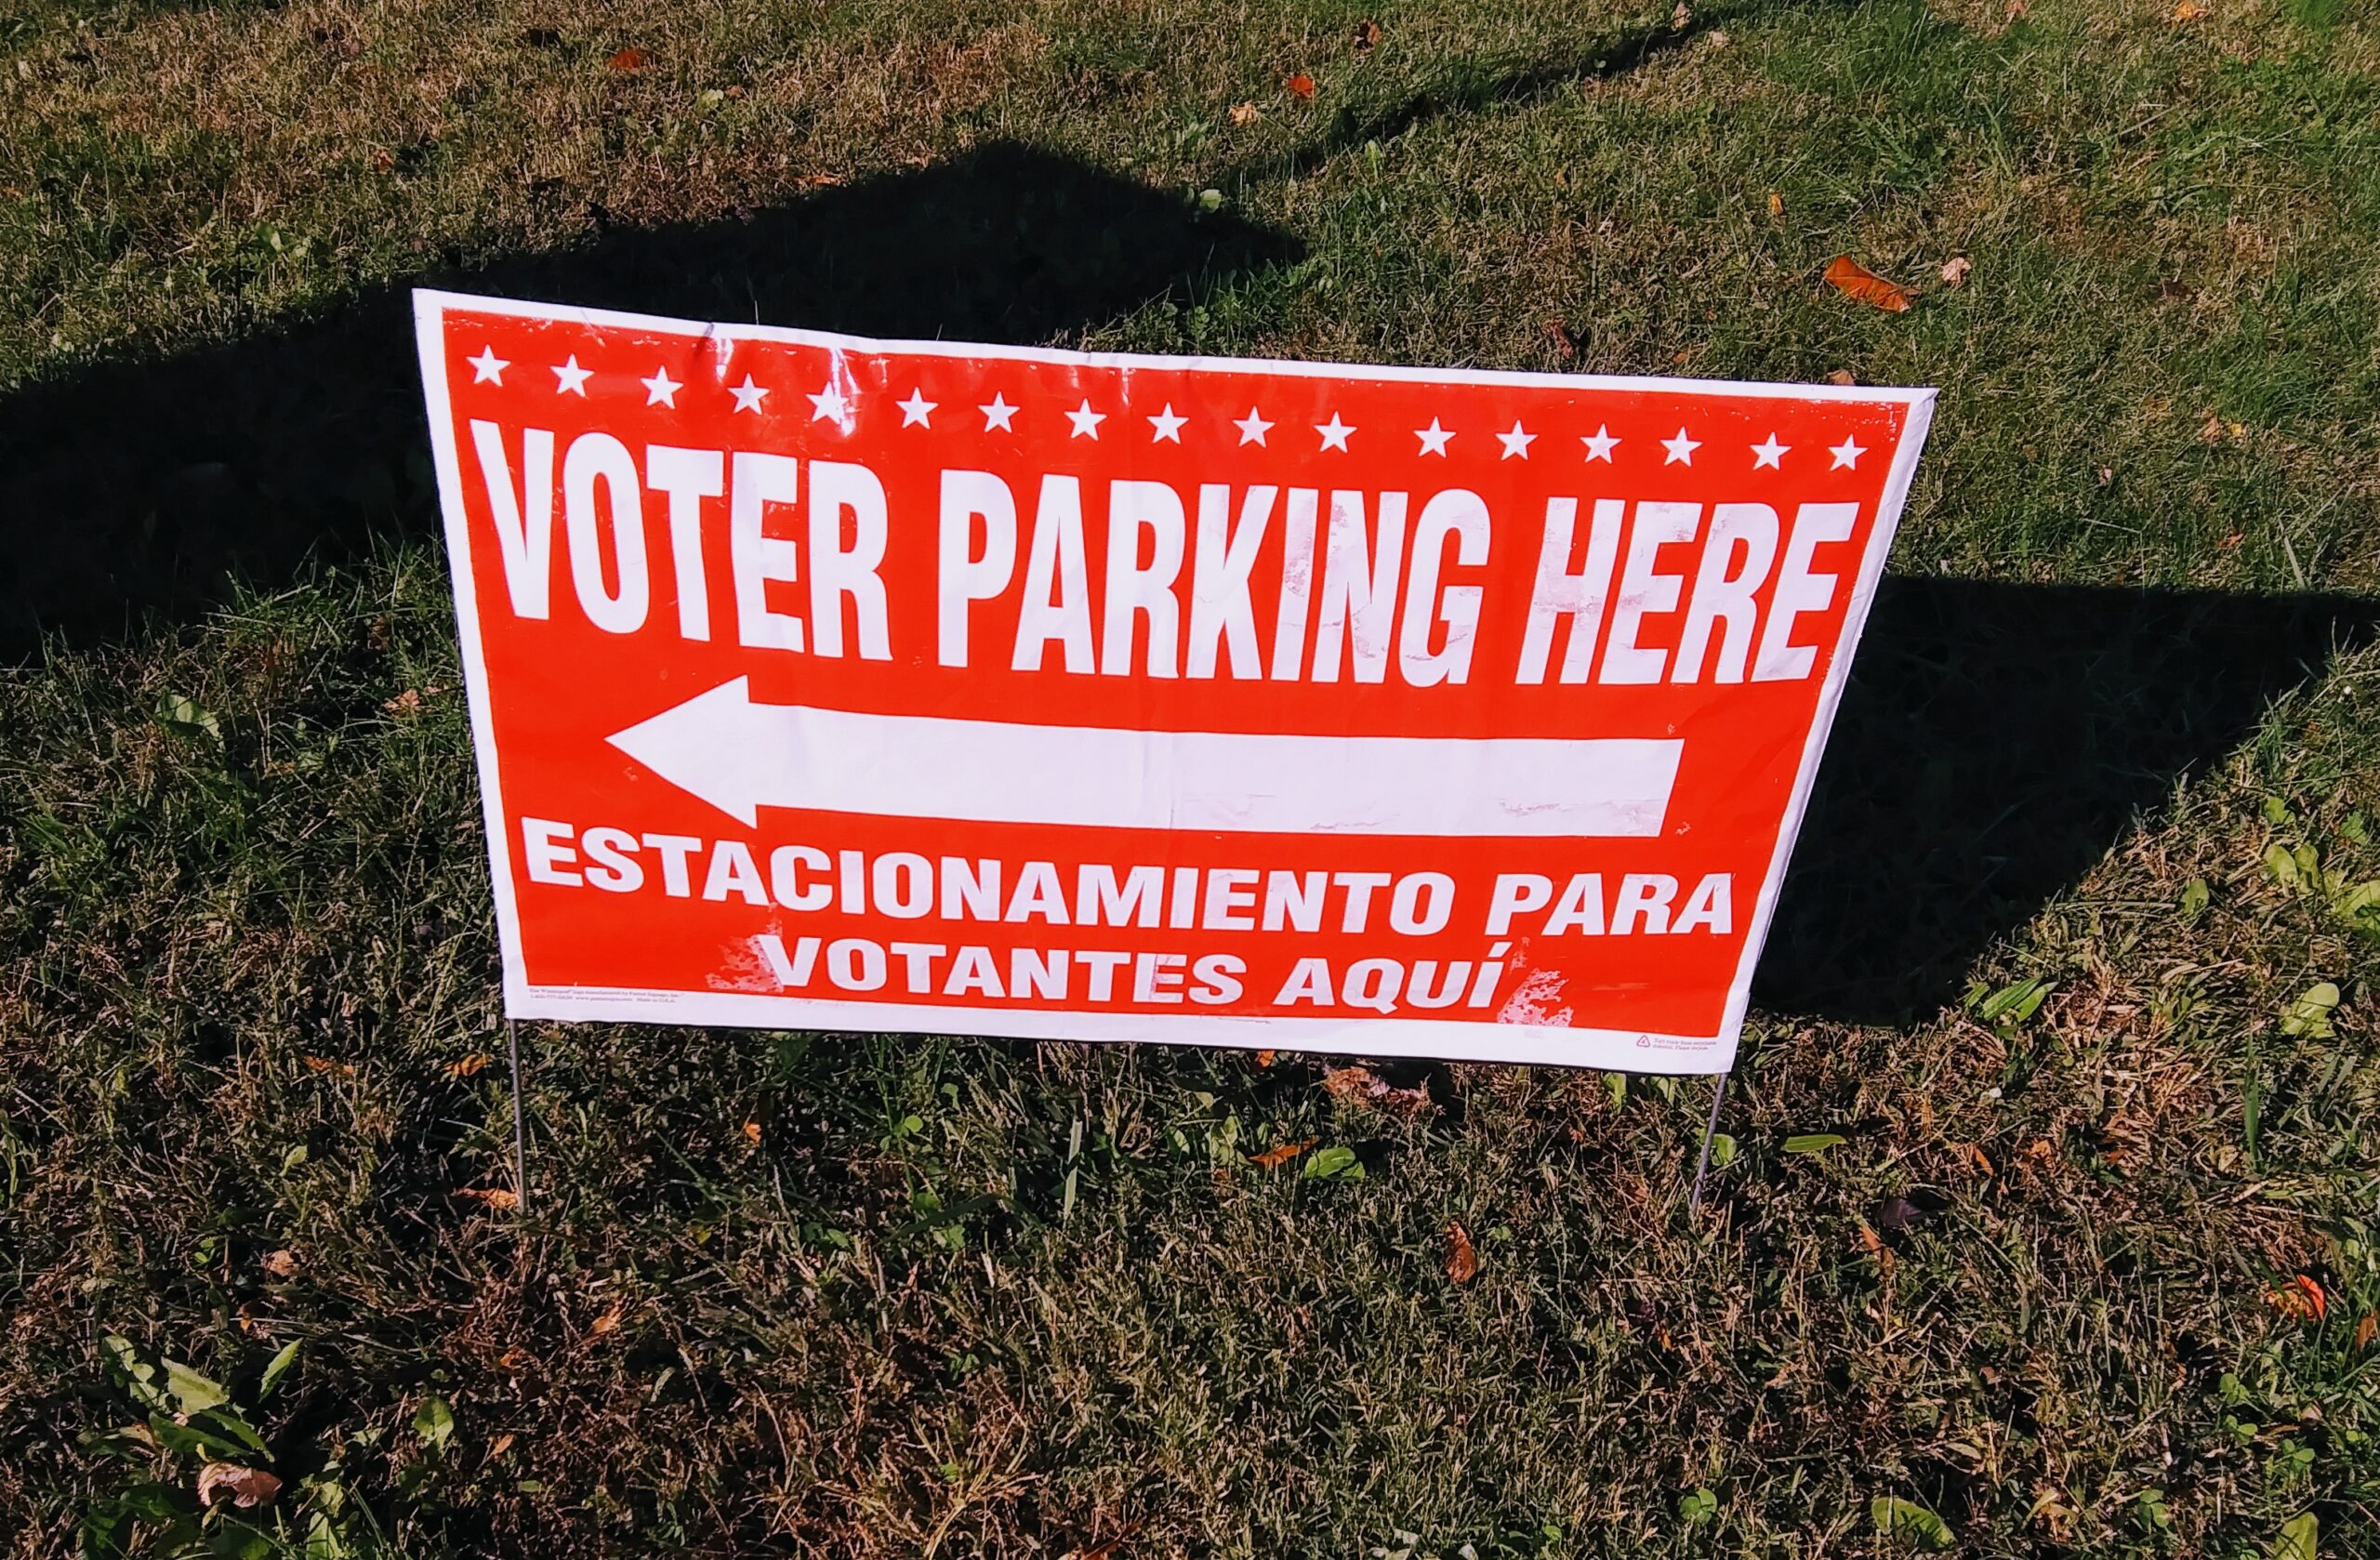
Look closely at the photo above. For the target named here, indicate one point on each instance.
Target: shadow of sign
(1994, 741)
(134, 491)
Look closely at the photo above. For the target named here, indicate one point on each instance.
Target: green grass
(850, 1295)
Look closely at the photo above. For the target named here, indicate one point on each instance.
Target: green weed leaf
(1336, 1163)
(1696, 1506)
(191, 1392)
(1723, 1151)
(1909, 1522)
(185, 717)
(434, 1423)
(2310, 1014)
(1813, 1143)
(2300, 1539)
(279, 1367)
(2282, 864)
(2013, 1004)
(2194, 899)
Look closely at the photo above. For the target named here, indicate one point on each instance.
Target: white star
(1433, 439)
(1771, 455)
(1846, 455)
(571, 379)
(748, 395)
(1681, 449)
(1517, 441)
(661, 389)
(1599, 443)
(1086, 421)
(916, 411)
(1251, 427)
(1334, 432)
(487, 368)
(830, 406)
(997, 414)
(1167, 425)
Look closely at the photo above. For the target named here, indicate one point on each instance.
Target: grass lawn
(2049, 1216)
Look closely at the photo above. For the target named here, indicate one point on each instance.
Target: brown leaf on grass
(1681, 17)
(1558, 332)
(1849, 277)
(243, 1486)
(1955, 268)
(605, 1322)
(325, 1065)
(497, 1198)
(1974, 1154)
(1280, 1154)
(1877, 1250)
(503, 1444)
(2190, 10)
(1266, 1058)
(282, 1264)
(469, 1064)
(1462, 1259)
(2301, 1298)
(1300, 86)
(1367, 36)
(406, 702)
(752, 1132)
(2366, 1329)
(1776, 203)
(1245, 113)
(1842, 376)
(1362, 1086)
(630, 59)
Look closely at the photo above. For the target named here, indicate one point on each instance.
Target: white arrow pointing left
(741, 756)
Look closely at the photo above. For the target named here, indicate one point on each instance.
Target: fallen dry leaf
(246, 1486)
(630, 58)
(1462, 1261)
(325, 1065)
(1955, 268)
(469, 1064)
(2301, 1298)
(1849, 277)
(1776, 203)
(1842, 376)
(2211, 430)
(1877, 1249)
(1367, 36)
(1266, 1058)
(503, 1444)
(2366, 1329)
(605, 1322)
(1974, 1154)
(1359, 1085)
(2234, 539)
(497, 1198)
(1281, 1154)
(751, 1131)
(1558, 333)
(1245, 113)
(1301, 86)
(282, 1264)
(819, 181)
(2190, 10)
(1681, 17)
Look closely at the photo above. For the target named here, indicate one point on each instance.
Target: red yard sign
(825, 682)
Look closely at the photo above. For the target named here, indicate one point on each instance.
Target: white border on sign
(1615, 1049)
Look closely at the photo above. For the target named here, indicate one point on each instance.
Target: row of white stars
(832, 406)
